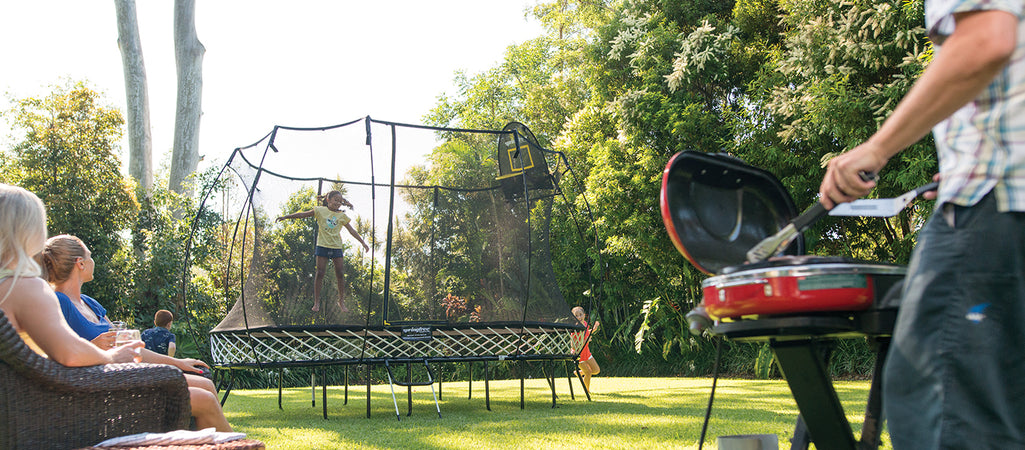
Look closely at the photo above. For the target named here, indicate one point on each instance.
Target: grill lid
(716, 207)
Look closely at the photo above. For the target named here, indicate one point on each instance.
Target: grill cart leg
(872, 426)
(803, 363)
(801, 437)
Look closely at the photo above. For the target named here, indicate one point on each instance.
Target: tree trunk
(140, 142)
(188, 52)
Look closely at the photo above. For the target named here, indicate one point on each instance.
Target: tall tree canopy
(620, 86)
(67, 154)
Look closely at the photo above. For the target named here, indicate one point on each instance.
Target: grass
(627, 413)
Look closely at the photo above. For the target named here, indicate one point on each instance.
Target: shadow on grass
(625, 413)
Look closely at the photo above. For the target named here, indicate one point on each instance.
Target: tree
(841, 70)
(140, 142)
(68, 157)
(189, 58)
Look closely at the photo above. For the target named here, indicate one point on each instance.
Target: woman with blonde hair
(68, 264)
(29, 302)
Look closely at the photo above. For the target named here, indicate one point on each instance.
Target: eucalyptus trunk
(188, 52)
(140, 141)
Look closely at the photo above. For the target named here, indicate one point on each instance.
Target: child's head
(579, 313)
(163, 318)
(22, 230)
(334, 200)
(60, 256)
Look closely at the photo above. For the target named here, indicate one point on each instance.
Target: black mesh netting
(457, 245)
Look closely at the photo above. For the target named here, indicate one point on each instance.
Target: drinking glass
(126, 336)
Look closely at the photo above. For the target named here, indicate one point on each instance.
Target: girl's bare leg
(339, 264)
(588, 368)
(318, 281)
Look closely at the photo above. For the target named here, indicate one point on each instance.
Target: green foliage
(615, 86)
(66, 153)
(782, 84)
(166, 222)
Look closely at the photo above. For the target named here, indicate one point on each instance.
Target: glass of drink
(126, 336)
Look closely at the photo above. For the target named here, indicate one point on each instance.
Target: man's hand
(843, 182)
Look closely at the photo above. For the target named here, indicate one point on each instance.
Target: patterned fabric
(329, 226)
(157, 339)
(982, 146)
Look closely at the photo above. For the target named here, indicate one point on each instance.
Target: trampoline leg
(280, 376)
(439, 383)
(586, 392)
(368, 391)
(391, 384)
(551, 379)
(323, 391)
(523, 379)
(487, 388)
(409, 389)
(231, 382)
(569, 378)
(469, 386)
(346, 381)
(436, 397)
(313, 387)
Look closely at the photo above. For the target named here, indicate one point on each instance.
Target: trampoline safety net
(459, 265)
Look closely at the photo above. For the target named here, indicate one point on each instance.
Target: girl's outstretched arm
(298, 215)
(356, 235)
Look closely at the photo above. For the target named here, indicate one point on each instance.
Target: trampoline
(460, 266)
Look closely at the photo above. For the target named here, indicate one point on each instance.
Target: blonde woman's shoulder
(26, 293)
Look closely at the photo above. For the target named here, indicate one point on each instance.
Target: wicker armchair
(44, 405)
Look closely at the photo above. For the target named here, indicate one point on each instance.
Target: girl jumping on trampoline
(588, 365)
(330, 220)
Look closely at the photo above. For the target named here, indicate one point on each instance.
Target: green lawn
(627, 413)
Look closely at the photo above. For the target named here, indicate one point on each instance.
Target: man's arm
(979, 48)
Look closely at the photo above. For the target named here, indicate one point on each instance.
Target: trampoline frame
(346, 345)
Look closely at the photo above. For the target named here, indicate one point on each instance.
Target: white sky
(303, 63)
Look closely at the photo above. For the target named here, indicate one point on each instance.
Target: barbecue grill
(716, 208)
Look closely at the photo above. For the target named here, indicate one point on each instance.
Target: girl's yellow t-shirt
(329, 226)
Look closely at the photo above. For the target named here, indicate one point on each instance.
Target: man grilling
(953, 376)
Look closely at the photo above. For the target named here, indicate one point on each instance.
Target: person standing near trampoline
(330, 220)
(588, 366)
